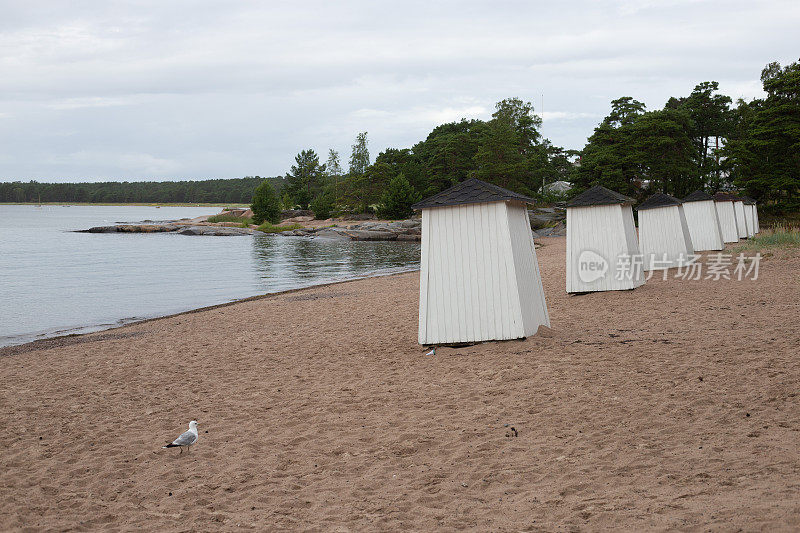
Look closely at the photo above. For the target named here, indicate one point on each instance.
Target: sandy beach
(674, 406)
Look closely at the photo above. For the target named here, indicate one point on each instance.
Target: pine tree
(359, 158)
(265, 206)
(305, 178)
(396, 202)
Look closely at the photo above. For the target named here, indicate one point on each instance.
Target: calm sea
(54, 281)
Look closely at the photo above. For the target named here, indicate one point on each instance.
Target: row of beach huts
(479, 275)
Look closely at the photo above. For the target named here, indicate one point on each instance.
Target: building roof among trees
(698, 196)
(471, 191)
(599, 195)
(558, 186)
(659, 199)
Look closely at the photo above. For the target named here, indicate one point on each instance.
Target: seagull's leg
(181, 448)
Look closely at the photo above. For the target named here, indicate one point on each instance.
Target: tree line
(507, 150)
(698, 141)
(702, 141)
(237, 190)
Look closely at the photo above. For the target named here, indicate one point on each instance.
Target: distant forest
(701, 140)
(236, 190)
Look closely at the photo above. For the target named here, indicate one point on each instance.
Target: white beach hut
(602, 249)
(663, 233)
(727, 216)
(703, 222)
(755, 217)
(749, 216)
(479, 276)
(741, 219)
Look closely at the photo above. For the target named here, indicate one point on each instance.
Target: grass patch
(775, 237)
(267, 227)
(230, 218)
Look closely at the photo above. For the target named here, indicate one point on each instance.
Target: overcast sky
(196, 89)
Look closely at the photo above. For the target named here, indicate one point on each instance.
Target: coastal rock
(236, 212)
(297, 220)
(331, 234)
(295, 233)
(405, 230)
(362, 216)
(219, 231)
(216, 231)
(229, 224)
(292, 213)
(542, 217)
(99, 229)
(367, 235)
(559, 230)
(132, 228)
(374, 226)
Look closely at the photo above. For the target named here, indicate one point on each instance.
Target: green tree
(447, 155)
(607, 158)
(765, 152)
(520, 116)
(333, 170)
(359, 158)
(398, 198)
(287, 202)
(561, 163)
(403, 162)
(711, 121)
(304, 180)
(265, 206)
(363, 190)
(322, 206)
(235, 190)
(661, 146)
(499, 158)
(333, 167)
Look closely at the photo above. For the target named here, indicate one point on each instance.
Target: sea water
(54, 281)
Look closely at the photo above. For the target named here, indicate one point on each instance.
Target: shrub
(303, 198)
(396, 202)
(266, 227)
(230, 218)
(265, 206)
(322, 207)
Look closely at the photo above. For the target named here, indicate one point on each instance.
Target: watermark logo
(716, 266)
(591, 266)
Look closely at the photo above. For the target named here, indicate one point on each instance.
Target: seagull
(187, 438)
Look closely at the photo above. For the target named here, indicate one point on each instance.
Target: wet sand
(674, 406)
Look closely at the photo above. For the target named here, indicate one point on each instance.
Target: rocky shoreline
(404, 230)
(173, 227)
(545, 222)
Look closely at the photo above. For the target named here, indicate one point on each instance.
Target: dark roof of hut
(725, 197)
(659, 199)
(471, 191)
(698, 196)
(747, 200)
(599, 195)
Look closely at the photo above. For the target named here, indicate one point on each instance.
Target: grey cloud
(179, 89)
